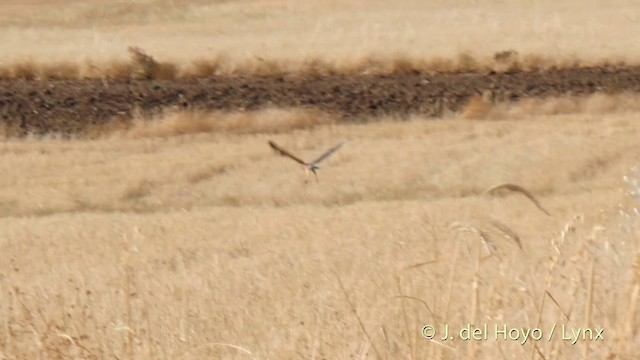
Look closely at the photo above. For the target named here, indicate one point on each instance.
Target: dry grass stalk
(482, 235)
(631, 327)
(145, 65)
(589, 305)
(566, 315)
(507, 231)
(554, 261)
(517, 188)
(128, 289)
(475, 300)
(634, 296)
(355, 313)
(409, 333)
(420, 264)
(423, 302)
(451, 280)
(191, 352)
(147, 68)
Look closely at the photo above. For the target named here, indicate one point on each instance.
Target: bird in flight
(308, 167)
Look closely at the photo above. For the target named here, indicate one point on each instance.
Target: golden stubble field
(209, 245)
(186, 239)
(258, 35)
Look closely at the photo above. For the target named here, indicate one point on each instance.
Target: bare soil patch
(73, 106)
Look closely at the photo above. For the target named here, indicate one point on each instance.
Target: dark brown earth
(39, 107)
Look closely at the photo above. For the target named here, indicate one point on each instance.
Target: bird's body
(308, 167)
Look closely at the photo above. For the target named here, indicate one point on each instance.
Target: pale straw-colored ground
(184, 239)
(136, 246)
(243, 35)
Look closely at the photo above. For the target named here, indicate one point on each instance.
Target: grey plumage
(311, 166)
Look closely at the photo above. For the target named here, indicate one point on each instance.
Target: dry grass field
(187, 237)
(208, 245)
(90, 38)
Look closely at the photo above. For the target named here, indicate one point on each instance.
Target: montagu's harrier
(308, 167)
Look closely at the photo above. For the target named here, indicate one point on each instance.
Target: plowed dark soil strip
(70, 106)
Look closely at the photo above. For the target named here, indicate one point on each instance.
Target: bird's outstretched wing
(284, 152)
(327, 154)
